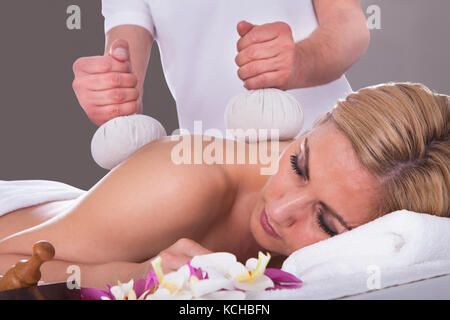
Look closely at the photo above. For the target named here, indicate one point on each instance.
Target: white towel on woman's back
(20, 194)
(397, 248)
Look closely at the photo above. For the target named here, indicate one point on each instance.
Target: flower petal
(157, 267)
(164, 294)
(202, 287)
(117, 292)
(94, 294)
(197, 272)
(139, 286)
(211, 273)
(238, 270)
(225, 295)
(259, 284)
(184, 271)
(131, 295)
(263, 260)
(218, 260)
(283, 279)
(151, 281)
(160, 294)
(128, 290)
(175, 281)
(251, 263)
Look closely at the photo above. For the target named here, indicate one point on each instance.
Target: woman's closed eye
(295, 166)
(302, 171)
(323, 225)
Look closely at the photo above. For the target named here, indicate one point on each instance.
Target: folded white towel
(397, 248)
(20, 194)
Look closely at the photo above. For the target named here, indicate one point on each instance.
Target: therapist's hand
(106, 85)
(266, 56)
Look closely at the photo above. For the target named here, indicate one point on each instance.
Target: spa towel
(20, 194)
(398, 248)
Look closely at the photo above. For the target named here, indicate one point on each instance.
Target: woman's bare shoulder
(187, 159)
(149, 201)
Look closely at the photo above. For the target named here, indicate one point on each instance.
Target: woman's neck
(234, 234)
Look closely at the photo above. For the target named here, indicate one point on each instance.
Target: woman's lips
(266, 225)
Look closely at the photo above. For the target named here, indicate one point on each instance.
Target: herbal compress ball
(117, 139)
(265, 109)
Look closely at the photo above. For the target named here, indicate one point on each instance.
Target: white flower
(123, 291)
(164, 294)
(227, 278)
(200, 288)
(224, 295)
(248, 278)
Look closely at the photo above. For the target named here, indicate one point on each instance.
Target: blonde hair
(400, 133)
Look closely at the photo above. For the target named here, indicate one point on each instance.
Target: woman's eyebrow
(325, 207)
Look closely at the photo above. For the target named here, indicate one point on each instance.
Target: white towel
(20, 194)
(398, 248)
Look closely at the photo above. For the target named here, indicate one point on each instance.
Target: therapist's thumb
(244, 27)
(120, 50)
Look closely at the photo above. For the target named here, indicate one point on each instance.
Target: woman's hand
(180, 253)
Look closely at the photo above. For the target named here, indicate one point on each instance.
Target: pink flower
(141, 287)
(282, 279)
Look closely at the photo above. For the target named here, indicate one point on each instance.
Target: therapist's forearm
(140, 43)
(340, 40)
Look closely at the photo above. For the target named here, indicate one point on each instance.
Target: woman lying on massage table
(383, 149)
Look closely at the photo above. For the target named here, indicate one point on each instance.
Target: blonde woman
(382, 149)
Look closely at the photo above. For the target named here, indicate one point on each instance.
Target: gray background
(44, 133)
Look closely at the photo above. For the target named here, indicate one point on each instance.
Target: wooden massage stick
(26, 273)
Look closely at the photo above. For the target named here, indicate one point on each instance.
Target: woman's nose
(289, 208)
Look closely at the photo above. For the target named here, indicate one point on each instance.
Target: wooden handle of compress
(26, 273)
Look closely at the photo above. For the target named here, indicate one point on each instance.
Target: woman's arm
(99, 275)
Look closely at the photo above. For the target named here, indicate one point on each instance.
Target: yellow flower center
(263, 261)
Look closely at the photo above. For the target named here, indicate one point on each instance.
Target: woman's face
(320, 190)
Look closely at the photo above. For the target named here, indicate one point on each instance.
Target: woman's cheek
(276, 182)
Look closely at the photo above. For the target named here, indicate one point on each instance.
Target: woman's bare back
(29, 217)
(141, 208)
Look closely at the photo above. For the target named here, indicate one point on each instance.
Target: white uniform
(197, 41)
